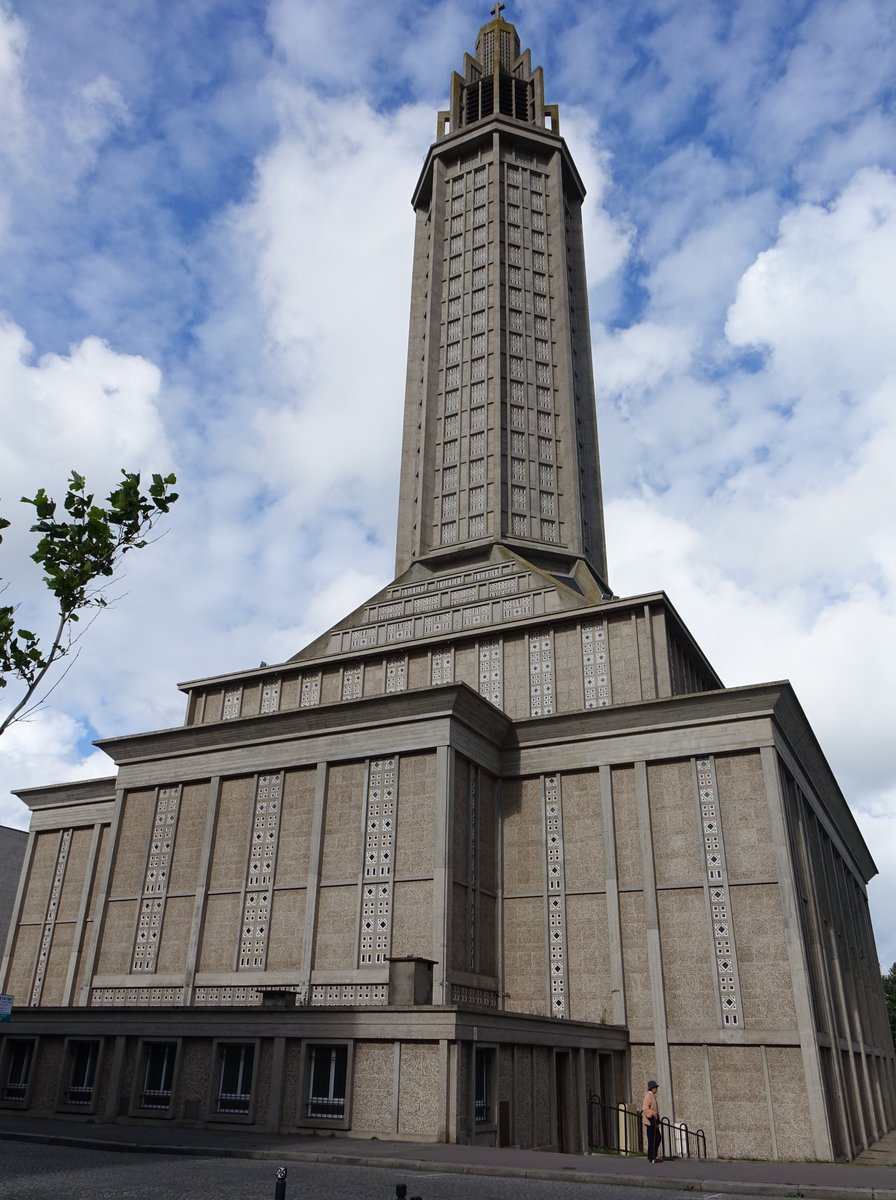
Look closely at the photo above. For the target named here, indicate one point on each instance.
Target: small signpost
(6, 1007)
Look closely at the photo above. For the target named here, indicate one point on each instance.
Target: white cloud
(13, 41)
(242, 317)
(822, 296)
(98, 109)
(44, 749)
(91, 409)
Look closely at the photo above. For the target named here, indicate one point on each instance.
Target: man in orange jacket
(650, 1115)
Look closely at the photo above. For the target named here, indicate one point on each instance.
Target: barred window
(327, 1078)
(236, 1064)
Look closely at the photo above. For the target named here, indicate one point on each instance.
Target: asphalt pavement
(873, 1177)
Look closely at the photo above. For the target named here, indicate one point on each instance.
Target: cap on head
(651, 1084)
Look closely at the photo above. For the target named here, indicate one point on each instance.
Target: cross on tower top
(497, 10)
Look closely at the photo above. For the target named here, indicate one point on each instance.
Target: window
(235, 1079)
(17, 1058)
(156, 1077)
(81, 1079)
(483, 1071)
(327, 1074)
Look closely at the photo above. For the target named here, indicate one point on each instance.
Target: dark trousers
(654, 1140)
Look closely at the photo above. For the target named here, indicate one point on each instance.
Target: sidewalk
(871, 1178)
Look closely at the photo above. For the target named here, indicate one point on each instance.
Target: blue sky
(206, 239)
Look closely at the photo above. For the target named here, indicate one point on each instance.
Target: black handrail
(616, 1129)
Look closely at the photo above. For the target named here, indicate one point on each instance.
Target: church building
(497, 840)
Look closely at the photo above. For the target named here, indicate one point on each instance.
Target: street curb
(428, 1166)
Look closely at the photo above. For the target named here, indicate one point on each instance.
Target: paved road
(30, 1171)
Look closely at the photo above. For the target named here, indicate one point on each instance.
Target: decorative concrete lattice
(349, 993)
(363, 637)
(442, 666)
(310, 697)
(270, 696)
(717, 879)
(388, 612)
(556, 895)
(212, 997)
(379, 847)
(481, 614)
(532, 513)
(233, 699)
(595, 665)
(473, 843)
(519, 607)
(397, 674)
(491, 671)
(439, 623)
(137, 997)
(155, 882)
(260, 872)
(460, 994)
(459, 215)
(353, 682)
(541, 674)
(46, 939)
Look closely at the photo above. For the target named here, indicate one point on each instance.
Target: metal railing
(330, 1108)
(679, 1141)
(616, 1129)
(613, 1128)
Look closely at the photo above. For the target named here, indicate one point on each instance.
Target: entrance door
(563, 1101)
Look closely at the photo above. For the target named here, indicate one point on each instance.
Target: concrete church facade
(497, 839)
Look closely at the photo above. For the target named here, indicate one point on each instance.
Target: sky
(205, 265)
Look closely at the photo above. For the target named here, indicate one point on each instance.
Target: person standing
(650, 1115)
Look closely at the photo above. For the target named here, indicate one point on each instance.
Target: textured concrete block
(117, 943)
(749, 846)
(412, 920)
(525, 961)
(763, 962)
(372, 1083)
(220, 932)
(416, 815)
(690, 1090)
(133, 843)
(588, 957)
(675, 825)
(191, 820)
(337, 924)
(583, 841)
(421, 1090)
(740, 1102)
(689, 969)
(57, 963)
(625, 822)
(172, 956)
(231, 848)
(296, 814)
(342, 847)
(75, 872)
(523, 830)
(788, 1092)
(287, 934)
(638, 1004)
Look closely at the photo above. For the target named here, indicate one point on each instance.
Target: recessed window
(156, 1076)
(484, 1074)
(235, 1066)
(327, 1075)
(18, 1055)
(80, 1077)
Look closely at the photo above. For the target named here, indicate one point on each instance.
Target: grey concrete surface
(236, 1148)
